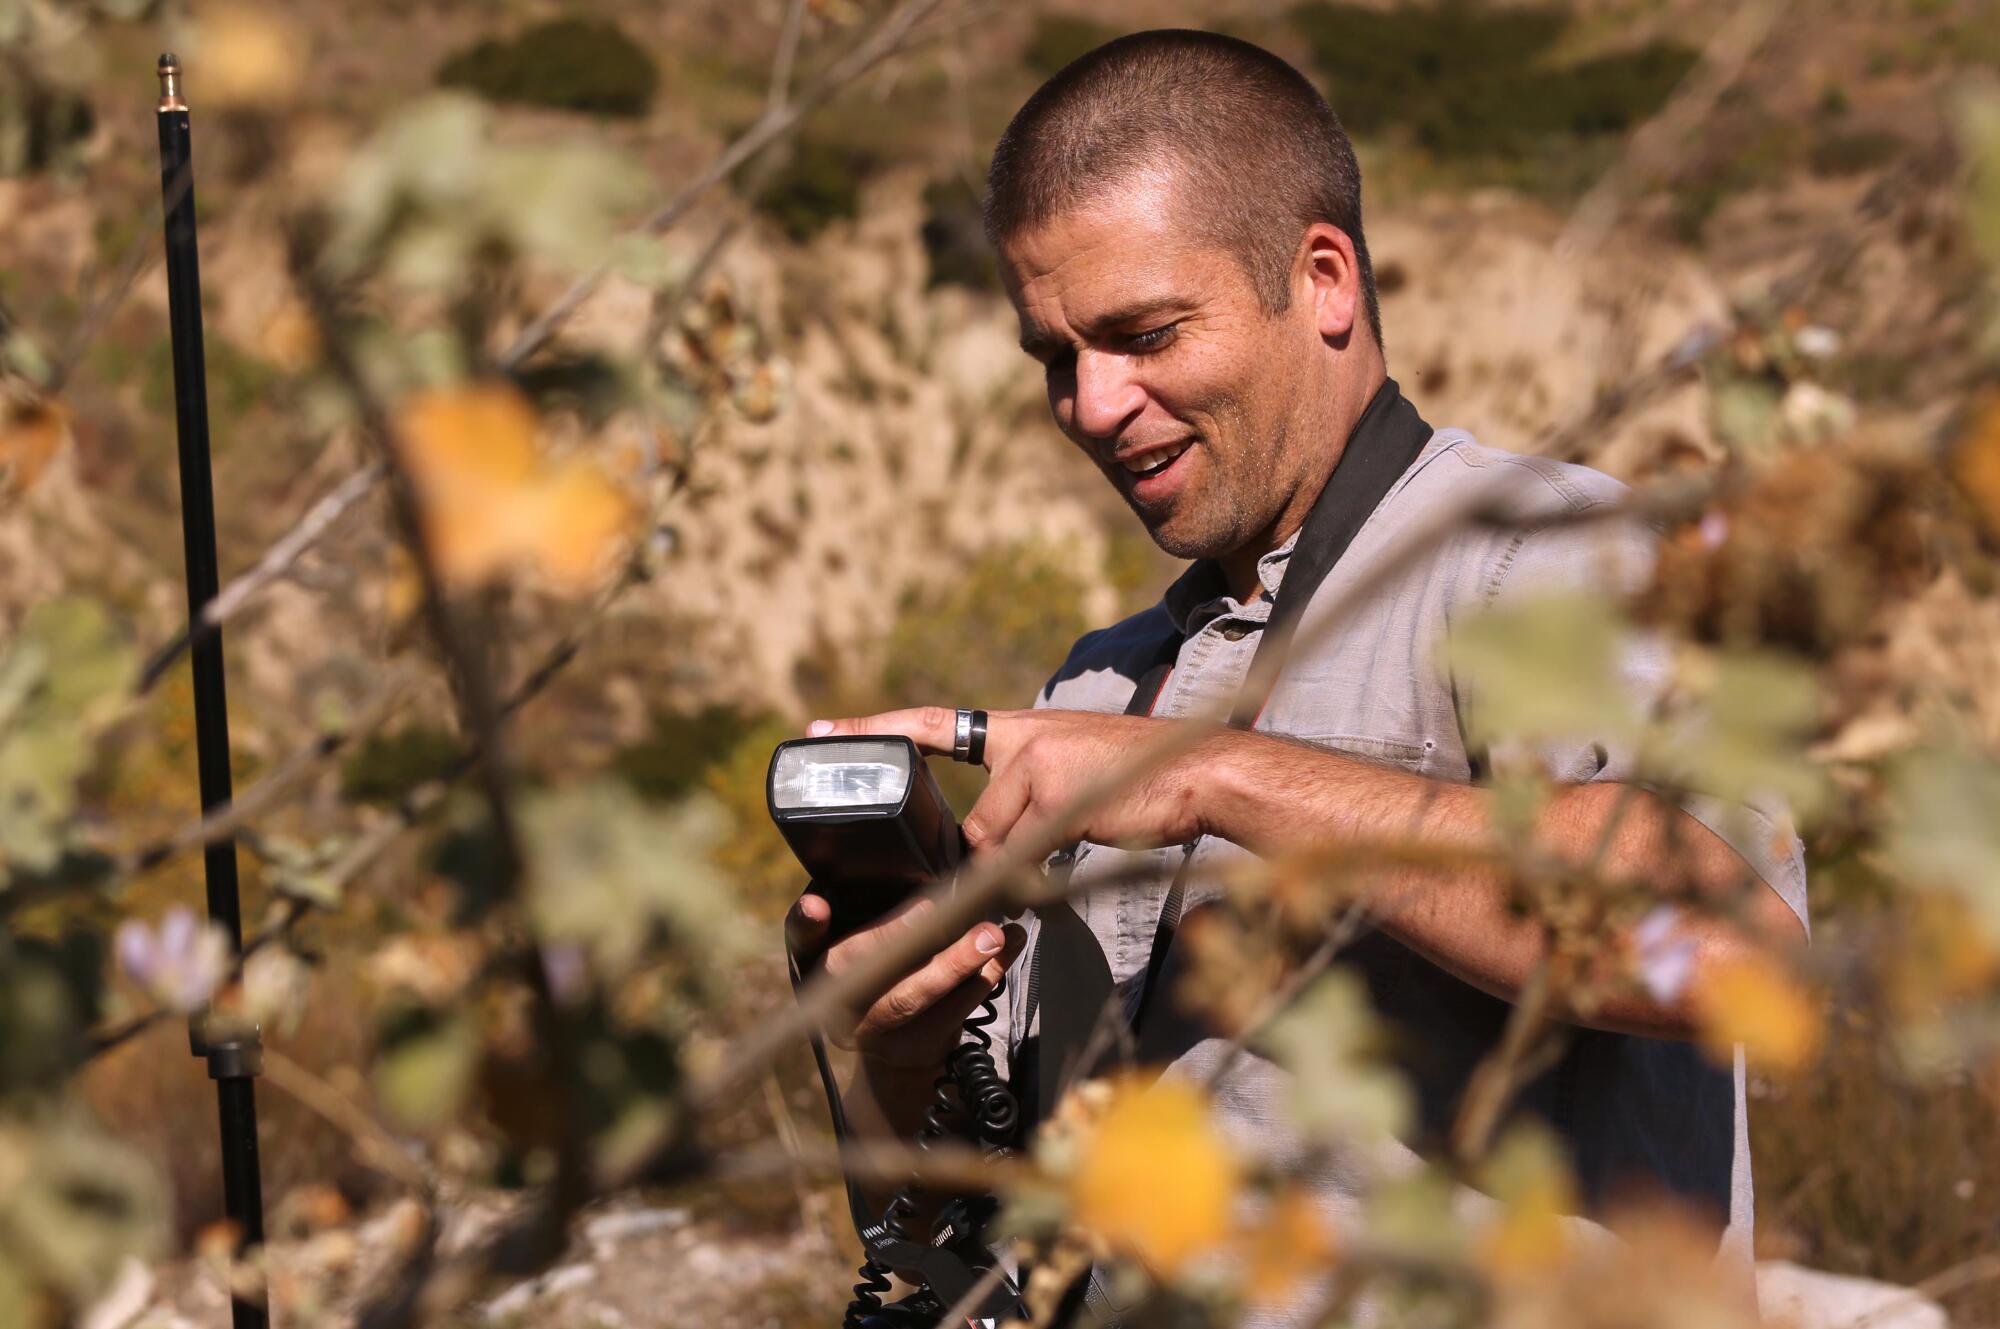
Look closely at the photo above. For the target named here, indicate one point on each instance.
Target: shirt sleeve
(1615, 556)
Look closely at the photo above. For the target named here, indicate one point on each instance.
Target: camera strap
(1068, 961)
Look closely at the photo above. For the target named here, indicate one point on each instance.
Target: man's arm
(1273, 797)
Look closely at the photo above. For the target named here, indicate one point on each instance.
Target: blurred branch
(481, 715)
(98, 315)
(780, 118)
(787, 56)
(373, 1144)
(271, 790)
(985, 885)
(273, 564)
(1653, 146)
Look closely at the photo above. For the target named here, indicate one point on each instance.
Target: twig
(372, 1143)
(777, 121)
(1649, 148)
(788, 50)
(98, 315)
(233, 816)
(274, 563)
(984, 885)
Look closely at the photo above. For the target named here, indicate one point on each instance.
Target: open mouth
(1155, 475)
(1149, 464)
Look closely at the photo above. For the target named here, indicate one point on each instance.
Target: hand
(915, 1022)
(1042, 760)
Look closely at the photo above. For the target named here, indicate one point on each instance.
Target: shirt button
(1234, 632)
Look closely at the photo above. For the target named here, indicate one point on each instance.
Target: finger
(964, 999)
(950, 967)
(996, 810)
(806, 923)
(931, 728)
(869, 935)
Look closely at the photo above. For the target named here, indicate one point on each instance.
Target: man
(1179, 226)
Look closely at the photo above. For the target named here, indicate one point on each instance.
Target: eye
(1151, 340)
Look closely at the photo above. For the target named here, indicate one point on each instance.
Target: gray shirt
(1365, 676)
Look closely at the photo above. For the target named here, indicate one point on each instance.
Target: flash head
(866, 818)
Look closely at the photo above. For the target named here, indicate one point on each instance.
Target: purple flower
(1665, 959)
(181, 964)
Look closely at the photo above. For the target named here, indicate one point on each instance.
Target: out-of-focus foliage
(572, 64)
(1482, 82)
(504, 961)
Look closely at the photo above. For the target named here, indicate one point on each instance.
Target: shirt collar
(1202, 585)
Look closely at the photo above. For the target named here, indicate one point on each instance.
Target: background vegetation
(599, 392)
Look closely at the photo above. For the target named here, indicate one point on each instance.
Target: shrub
(954, 238)
(571, 64)
(1060, 38)
(388, 766)
(1473, 83)
(1853, 153)
(819, 182)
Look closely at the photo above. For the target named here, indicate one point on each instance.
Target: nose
(1105, 395)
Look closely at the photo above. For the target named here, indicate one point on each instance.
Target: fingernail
(819, 728)
(989, 940)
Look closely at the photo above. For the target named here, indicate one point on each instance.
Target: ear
(1330, 279)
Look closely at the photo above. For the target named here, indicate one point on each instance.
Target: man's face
(1163, 367)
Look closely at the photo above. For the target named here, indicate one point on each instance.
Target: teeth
(1147, 462)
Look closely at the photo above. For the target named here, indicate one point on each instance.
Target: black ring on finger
(975, 748)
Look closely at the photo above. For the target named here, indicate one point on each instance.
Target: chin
(1180, 537)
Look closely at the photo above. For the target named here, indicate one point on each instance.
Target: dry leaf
(1290, 1246)
(31, 434)
(245, 55)
(491, 503)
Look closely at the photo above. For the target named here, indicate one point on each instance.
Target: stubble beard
(1235, 507)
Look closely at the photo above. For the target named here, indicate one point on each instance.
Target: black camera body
(866, 818)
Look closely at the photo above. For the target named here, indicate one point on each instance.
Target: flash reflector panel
(866, 818)
(859, 773)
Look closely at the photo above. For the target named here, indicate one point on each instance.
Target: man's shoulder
(1527, 489)
(1104, 665)
(1532, 522)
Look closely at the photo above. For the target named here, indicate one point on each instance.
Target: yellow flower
(1757, 1004)
(1155, 1178)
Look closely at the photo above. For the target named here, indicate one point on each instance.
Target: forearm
(1276, 797)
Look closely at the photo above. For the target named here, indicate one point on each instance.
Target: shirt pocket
(1405, 753)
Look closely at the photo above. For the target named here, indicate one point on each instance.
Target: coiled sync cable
(970, 1090)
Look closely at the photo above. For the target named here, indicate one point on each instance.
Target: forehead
(1129, 245)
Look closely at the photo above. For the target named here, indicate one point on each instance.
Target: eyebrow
(1038, 343)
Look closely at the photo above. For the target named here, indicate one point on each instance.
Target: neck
(1239, 566)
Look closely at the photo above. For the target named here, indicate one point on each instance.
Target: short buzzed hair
(1259, 154)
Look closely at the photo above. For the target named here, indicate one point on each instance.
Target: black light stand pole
(234, 1055)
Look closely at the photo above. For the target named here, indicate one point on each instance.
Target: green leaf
(64, 676)
(1328, 1040)
(607, 871)
(73, 1204)
(1943, 831)
(1745, 739)
(426, 1066)
(1544, 667)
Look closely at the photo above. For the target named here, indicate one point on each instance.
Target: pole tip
(170, 83)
